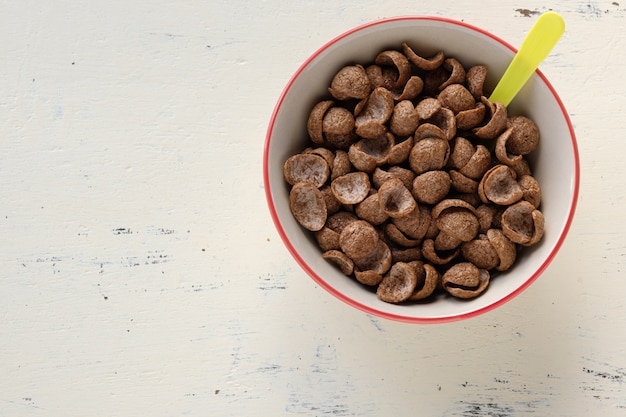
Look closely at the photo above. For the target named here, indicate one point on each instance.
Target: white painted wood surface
(140, 273)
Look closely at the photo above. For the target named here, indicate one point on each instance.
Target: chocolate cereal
(399, 185)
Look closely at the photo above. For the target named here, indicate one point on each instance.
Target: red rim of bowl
(367, 309)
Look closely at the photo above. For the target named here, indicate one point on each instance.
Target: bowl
(555, 163)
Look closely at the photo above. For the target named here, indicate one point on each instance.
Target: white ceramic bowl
(555, 164)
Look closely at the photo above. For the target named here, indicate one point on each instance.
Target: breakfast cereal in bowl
(398, 185)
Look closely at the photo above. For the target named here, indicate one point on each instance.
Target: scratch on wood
(270, 282)
(323, 388)
(25, 401)
(152, 258)
(592, 9)
(376, 323)
(617, 377)
(506, 394)
(527, 12)
(152, 231)
(490, 408)
(163, 231)
(606, 382)
(609, 372)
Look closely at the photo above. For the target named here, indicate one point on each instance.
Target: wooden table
(141, 274)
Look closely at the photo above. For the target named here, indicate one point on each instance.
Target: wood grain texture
(140, 272)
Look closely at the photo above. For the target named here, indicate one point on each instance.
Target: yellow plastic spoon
(542, 37)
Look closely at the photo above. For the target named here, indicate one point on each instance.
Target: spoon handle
(538, 43)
